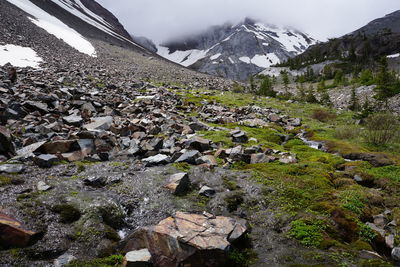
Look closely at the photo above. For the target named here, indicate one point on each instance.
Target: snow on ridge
(394, 55)
(90, 18)
(19, 56)
(262, 61)
(184, 58)
(216, 56)
(55, 27)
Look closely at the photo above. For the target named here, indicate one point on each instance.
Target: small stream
(310, 143)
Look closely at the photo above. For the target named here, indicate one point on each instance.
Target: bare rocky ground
(109, 155)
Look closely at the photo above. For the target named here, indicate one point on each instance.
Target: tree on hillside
(354, 105)
(285, 79)
(266, 87)
(310, 97)
(388, 84)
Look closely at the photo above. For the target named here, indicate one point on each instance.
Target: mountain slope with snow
(76, 22)
(237, 51)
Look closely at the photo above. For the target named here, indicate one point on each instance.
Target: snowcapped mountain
(236, 51)
(75, 22)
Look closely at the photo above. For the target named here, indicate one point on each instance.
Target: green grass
(308, 232)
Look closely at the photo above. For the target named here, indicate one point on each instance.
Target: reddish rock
(12, 233)
(188, 239)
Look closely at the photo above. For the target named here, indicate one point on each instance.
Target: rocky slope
(236, 51)
(123, 158)
(363, 47)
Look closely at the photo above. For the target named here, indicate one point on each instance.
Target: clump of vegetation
(366, 233)
(111, 261)
(381, 128)
(323, 115)
(308, 232)
(68, 213)
(242, 258)
(346, 132)
(266, 87)
(352, 200)
(5, 180)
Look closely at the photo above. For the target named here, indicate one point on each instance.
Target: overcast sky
(161, 20)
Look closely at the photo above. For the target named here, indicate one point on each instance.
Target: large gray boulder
(188, 239)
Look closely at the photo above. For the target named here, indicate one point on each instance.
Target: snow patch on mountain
(19, 56)
(394, 55)
(55, 27)
(216, 56)
(79, 10)
(236, 51)
(185, 58)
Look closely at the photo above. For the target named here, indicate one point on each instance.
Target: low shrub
(323, 115)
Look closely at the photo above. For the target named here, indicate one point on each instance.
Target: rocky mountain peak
(236, 51)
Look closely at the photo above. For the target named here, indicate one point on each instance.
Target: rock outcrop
(192, 239)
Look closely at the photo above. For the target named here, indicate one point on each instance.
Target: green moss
(242, 258)
(308, 232)
(230, 183)
(114, 260)
(68, 213)
(218, 137)
(234, 200)
(297, 185)
(182, 166)
(81, 165)
(5, 180)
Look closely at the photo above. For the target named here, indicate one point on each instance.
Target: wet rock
(99, 123)
(178, 183)
(159, 159)
(13, 234)
(12, 168)
(6, 145)
(42, 186)
(63, 260)
(137, 258)
(189, 156)
(181, 239)
(207, 191)
(239, 136)
(45, 160)
(73, 120)
(396, 254)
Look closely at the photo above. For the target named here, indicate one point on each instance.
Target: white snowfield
(185, 58)
(55, 27)
(79, 10)
(394, 55)
(19, 56)
(263, 61)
